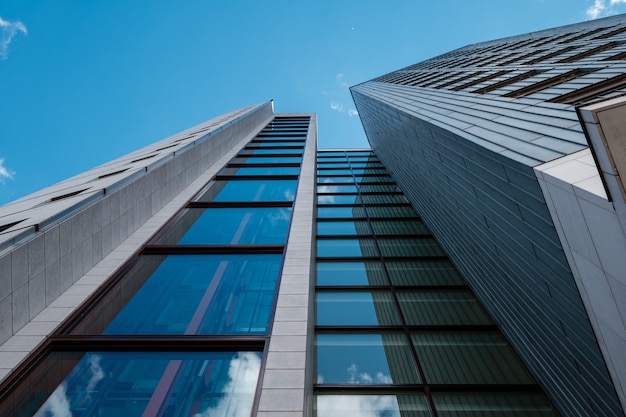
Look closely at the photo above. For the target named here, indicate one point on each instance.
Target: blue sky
(83, 82)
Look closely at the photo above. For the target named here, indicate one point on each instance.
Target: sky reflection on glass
(364, 359)
(188, 294)
(153, 383)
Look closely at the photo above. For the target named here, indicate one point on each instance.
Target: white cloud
(7, 31)
(353, 112)
(601, 8)
(5, 173)
(243, 373)
(336, 106)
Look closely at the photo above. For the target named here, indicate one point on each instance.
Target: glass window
(372, 188)
(249, 190)
(142, 383)
(332, 180)
(229, 226)
(441, 308)
(346, 247)
(377, 358)
(493, 405)
(336, 188)
(334, 172)
(369, 171)
(350, 273)
(267, 160)
(469, 358)
(321, 164)
(337, 212)
(384, 405)
(189, 294)
(338, 199)
(407, 227)
(343, 228)
(375, 308)
(391, 211)
(251, 170)
(373, 179)
(263, 151)
(423, 273)
(276, 143)
(410, 247)
(384, 199)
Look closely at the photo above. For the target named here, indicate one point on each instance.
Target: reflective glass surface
(336, 189)
(469, 358)
(189, 294)
(266, 160)
(116, 384)
(384, 199)
(335, 212)
(410, 247)
(332, 180)
(493, 405)
(250, 190)
(334, 172)
(261, 171)
(423, 273)
(230, 226)
(383, 405)
(277, 143)
(338, 199)
(405, 227)
(346, 247)
(371, 308)
(264, 151)
(377, 358)
(441, 308)
(350, 273)
(343, 228)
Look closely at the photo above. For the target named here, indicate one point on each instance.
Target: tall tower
(491, 144)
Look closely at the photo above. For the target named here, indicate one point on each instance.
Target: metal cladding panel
(487, 211)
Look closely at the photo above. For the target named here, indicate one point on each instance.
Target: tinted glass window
(145, 383)
(229, 226)
(250, 190)
(350, 273)
(364, 359)
(188, 294)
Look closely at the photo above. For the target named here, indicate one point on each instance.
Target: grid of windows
(520, 63)
(397, 330)
(181, 329)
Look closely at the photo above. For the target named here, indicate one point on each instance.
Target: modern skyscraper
(469, 265)
(491, 144)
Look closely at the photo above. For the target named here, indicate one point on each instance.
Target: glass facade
(181, 330)
(397, 330)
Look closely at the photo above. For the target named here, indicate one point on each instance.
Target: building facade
(491, 144)
(470, 264)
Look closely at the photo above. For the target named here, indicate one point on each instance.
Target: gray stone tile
(288, 344)
(5, 276)
(6, 318)
(19, 267)
(19, 304)
(281, 400)
(21, 344)
(286, 360)
(37, 294)
(283, 378)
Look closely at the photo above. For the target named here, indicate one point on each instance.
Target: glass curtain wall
(181, 329)
(398, 332)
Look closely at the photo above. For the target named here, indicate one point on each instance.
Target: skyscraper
(233, 270)
(491, 144)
